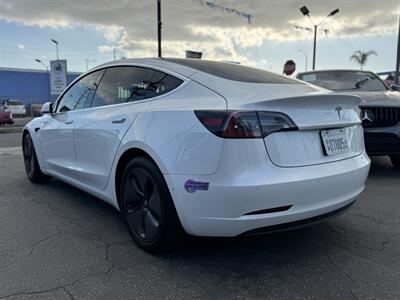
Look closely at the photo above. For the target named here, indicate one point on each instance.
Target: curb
(10, 129)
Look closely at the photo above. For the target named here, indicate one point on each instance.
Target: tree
(362, 57)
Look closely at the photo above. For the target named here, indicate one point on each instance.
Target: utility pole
(315, 46)
(159, 24)
(114, 53)
(398, 55)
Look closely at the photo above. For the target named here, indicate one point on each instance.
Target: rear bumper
(382, 141)
(239, 188)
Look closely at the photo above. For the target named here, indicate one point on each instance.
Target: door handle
(69, 122)
(119, 121)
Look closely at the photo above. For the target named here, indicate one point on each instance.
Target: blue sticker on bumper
(191, 186)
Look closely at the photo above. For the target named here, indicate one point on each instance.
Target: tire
(395, 161)
(148, 208)
(32, 167)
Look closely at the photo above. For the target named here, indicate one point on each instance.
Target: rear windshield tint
(233, 71)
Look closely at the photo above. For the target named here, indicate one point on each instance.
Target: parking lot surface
(8, 140)
(58, 242)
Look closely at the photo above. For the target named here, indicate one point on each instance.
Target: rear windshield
(345, 80)
(233, 71)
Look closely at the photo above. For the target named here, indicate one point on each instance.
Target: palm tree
(362, 57)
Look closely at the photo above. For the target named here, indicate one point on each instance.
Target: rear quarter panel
(172, 135)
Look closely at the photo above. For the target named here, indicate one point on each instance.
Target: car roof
(151, 62)
(223, 70)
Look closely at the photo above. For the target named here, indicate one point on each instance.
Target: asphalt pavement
(57, 242)
(17, 127)
(11, 139)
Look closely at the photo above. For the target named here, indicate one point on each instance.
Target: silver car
(380, 106)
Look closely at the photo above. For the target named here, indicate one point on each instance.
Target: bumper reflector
(269, 210)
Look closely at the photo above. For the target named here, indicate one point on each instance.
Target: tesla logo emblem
(366, 117)
(338, 110)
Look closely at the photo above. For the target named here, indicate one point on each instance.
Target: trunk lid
(312, 109)
(307, 105)
(312, 114)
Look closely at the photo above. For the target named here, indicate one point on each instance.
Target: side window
(122, 84)
(162, 83)
(80, 94)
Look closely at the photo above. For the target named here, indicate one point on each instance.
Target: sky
(89, 30)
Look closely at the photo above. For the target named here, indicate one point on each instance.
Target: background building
(28, 86)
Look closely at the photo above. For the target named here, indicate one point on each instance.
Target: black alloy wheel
(148, 207)
(143, 207)
(31, 163)
(29, 160)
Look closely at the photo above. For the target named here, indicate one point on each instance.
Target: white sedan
(208, 148)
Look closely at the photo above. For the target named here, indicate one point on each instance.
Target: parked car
(5, 116)
(217, 149)
(380, 107)
(15, 107)
(390, 79)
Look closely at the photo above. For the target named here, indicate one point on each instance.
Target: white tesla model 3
(217, 149)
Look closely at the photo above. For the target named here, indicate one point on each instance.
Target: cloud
(131, 25)
(21, 46)
(105, 48)
(112, 33)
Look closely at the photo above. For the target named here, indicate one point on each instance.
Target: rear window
(233, 71)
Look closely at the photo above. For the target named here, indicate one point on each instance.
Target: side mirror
(47, 108)
(395, 87)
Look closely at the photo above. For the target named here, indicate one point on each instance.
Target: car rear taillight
(230, 124)
(244, 124)
(275, 121)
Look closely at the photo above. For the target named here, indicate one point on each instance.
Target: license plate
(335, 141)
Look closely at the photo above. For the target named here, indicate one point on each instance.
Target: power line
(212, 5)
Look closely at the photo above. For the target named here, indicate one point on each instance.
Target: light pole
(48, 79)
(304, 10)
(305, 54)
(40, 62)
(55, 42)
(87, 60)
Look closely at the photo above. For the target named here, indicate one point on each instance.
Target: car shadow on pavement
(83, 209)
(274, 249)
(382, 167)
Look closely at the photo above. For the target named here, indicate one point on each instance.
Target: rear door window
(162, 83)
(122, 84)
